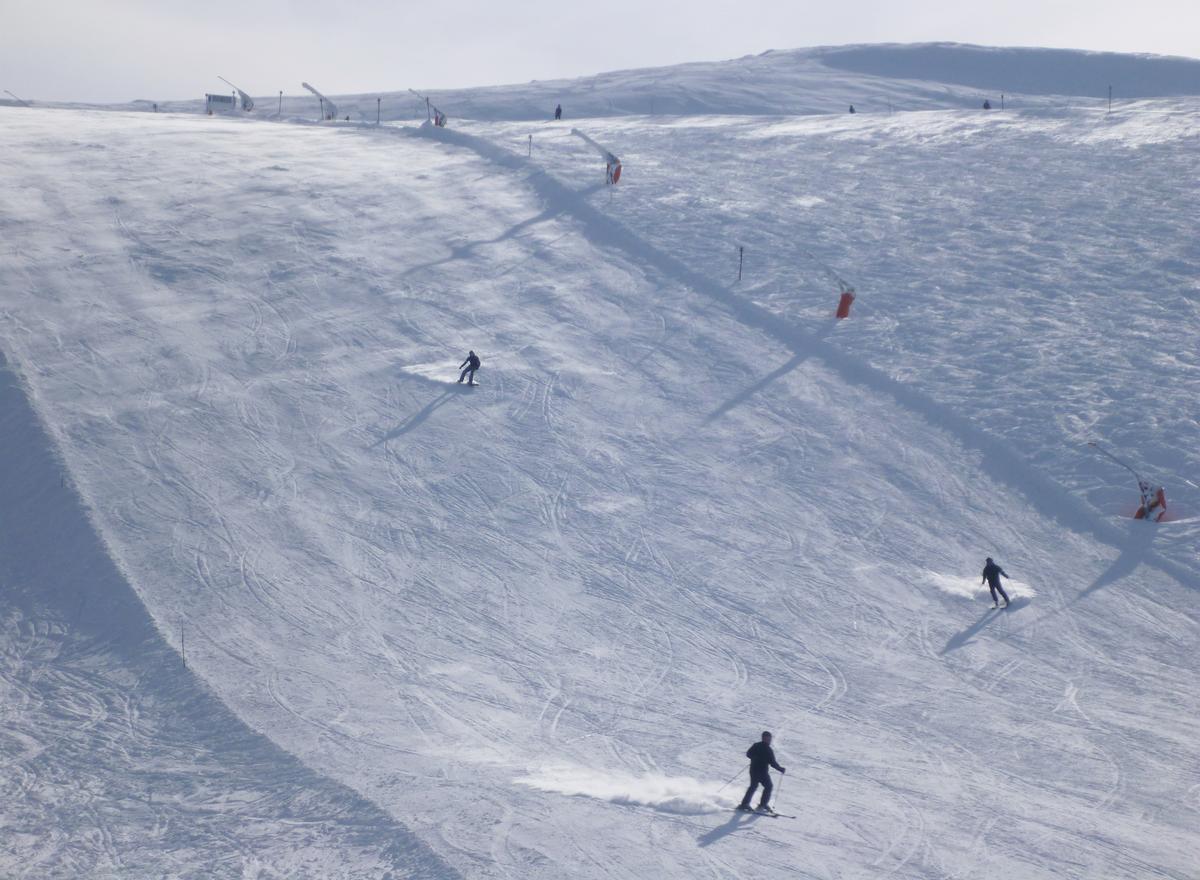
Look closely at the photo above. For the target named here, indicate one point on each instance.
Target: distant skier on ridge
(471, 364)
(991, 574)
(558, 112)
(761, 756)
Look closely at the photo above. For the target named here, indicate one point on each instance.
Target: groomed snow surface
(279, 598)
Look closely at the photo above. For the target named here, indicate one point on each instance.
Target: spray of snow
(968, 586)
(669, 794)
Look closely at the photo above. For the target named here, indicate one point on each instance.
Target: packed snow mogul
(471, 364)
(762, 757)
(991, 576)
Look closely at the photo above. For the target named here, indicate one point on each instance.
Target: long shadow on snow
(419, 417)
(1136, 547)
(999, 460)
(464, 250)
(58, 573)
(738, 821)
(778, 373)
(964, 637)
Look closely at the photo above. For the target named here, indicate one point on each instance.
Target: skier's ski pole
(778, 789)
(735, 776)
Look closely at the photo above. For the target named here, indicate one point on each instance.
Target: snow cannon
(432, 114)
(612, 165)
(328, 108)
(247, 101)
(1154, 503)
(843, 309)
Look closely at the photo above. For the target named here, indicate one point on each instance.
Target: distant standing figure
(558, 112)
(987, 105)
(761, 756)
(471, 364)
(851, 108)
(991, 575)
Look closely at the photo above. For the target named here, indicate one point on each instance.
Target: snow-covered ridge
(874, 78)
(1025, 71)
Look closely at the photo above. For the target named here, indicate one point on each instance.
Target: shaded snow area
(529, 629)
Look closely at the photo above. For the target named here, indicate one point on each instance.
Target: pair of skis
(769, 811)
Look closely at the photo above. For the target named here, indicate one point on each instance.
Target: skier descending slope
(471, 364)
(761, 756)
(991, 574)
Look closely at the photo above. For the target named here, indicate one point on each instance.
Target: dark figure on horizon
(761, 756)
(471, 364)
(558, 112)
(852, 108)
(987, 105)
(991, 575)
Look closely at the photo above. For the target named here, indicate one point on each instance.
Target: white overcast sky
(118, 50)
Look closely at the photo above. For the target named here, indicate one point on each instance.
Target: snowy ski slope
(528, 629)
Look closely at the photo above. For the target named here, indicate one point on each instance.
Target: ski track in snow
(648, 533)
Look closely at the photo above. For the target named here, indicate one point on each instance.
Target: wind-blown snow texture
(528, 629)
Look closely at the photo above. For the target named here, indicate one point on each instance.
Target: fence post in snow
(377, 100)
(531, 146)
(280, 103)
(741, 251)
(182, 645)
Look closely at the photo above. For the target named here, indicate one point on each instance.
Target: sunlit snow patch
(968, 586)
(670, 794)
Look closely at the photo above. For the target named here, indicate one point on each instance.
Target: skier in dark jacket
(471, 364)
(761, 757)
(991, 575)
(558, 112)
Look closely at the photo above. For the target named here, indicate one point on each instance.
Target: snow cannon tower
(845, 301)
(433, 115)
(328, 108)
(612, 165)
(1152, 500)
(247, 101)
(1154, 503)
